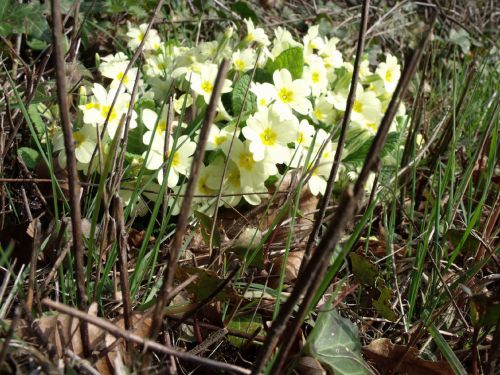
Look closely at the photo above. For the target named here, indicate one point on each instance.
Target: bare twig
(309, 280)
(74, 183)
(121, 238)
(119, 332)
(343, 134)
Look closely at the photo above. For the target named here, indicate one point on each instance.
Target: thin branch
(119, 332)
(74, 183)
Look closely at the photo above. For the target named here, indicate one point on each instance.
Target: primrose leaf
(291, 59)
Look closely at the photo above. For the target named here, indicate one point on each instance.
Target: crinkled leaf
(334, 342)
(364, 270)
(206, 283)
(238, 96)
(358, 156)
(29, 156)
(383, 304)
(206, 224)
(291, 59)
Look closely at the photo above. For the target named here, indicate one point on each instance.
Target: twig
(343, 134)
(495, 350)
(119, 332)
(211, 339)
(74, 184)
(182, 223)
(309, 280)
(121, 238)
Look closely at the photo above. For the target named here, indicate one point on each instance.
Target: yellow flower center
(239, 64)
(315, 77)
(318, 114)
(233, 178)
(202, 186)
(358, 106)
(79, 138)
(286, 95)
(176, 161)
(246, 161)
(373, 126)
(268, 137)
(262, 102)
(140, 37)
(388, 76)
(207, 86)
(162, 127)
(300, 138)
(119, 77)
(105, 110)
(220, 139)
(90, 106)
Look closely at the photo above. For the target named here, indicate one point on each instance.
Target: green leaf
(383, 305)
(206, 224)
(334, 342)
(291, 59)
(238, 95)
(244, 324)
(29, 156)
(36, 119)
(364, 270)
(358, 156)
(205, 284)
(245, 11)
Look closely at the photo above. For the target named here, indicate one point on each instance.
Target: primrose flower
(252, 173)
(330, 55)
(137, 34)
(85, 143)
(315, 75)
(232, 183)
(220, 138)
(303, 141)
(154, 137)
(97, 110)
(203, 82)
(367, 109)
(181, 162)
(255, 34)
(323, 110)
(244, 60)
(283, 40)
(114, 67)
(312, 41)
(269, 135)
(179, 102)
(265, 93)
(291, 94)
(390, 72)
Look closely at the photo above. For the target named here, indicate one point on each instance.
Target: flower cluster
(281, 101)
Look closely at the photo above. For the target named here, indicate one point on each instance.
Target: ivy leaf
(245, 324)
(334, 342)
(238, 96)
(29, 156)
(291, 59)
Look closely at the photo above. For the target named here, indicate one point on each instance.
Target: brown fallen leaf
(292, 267)
(383, 355)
